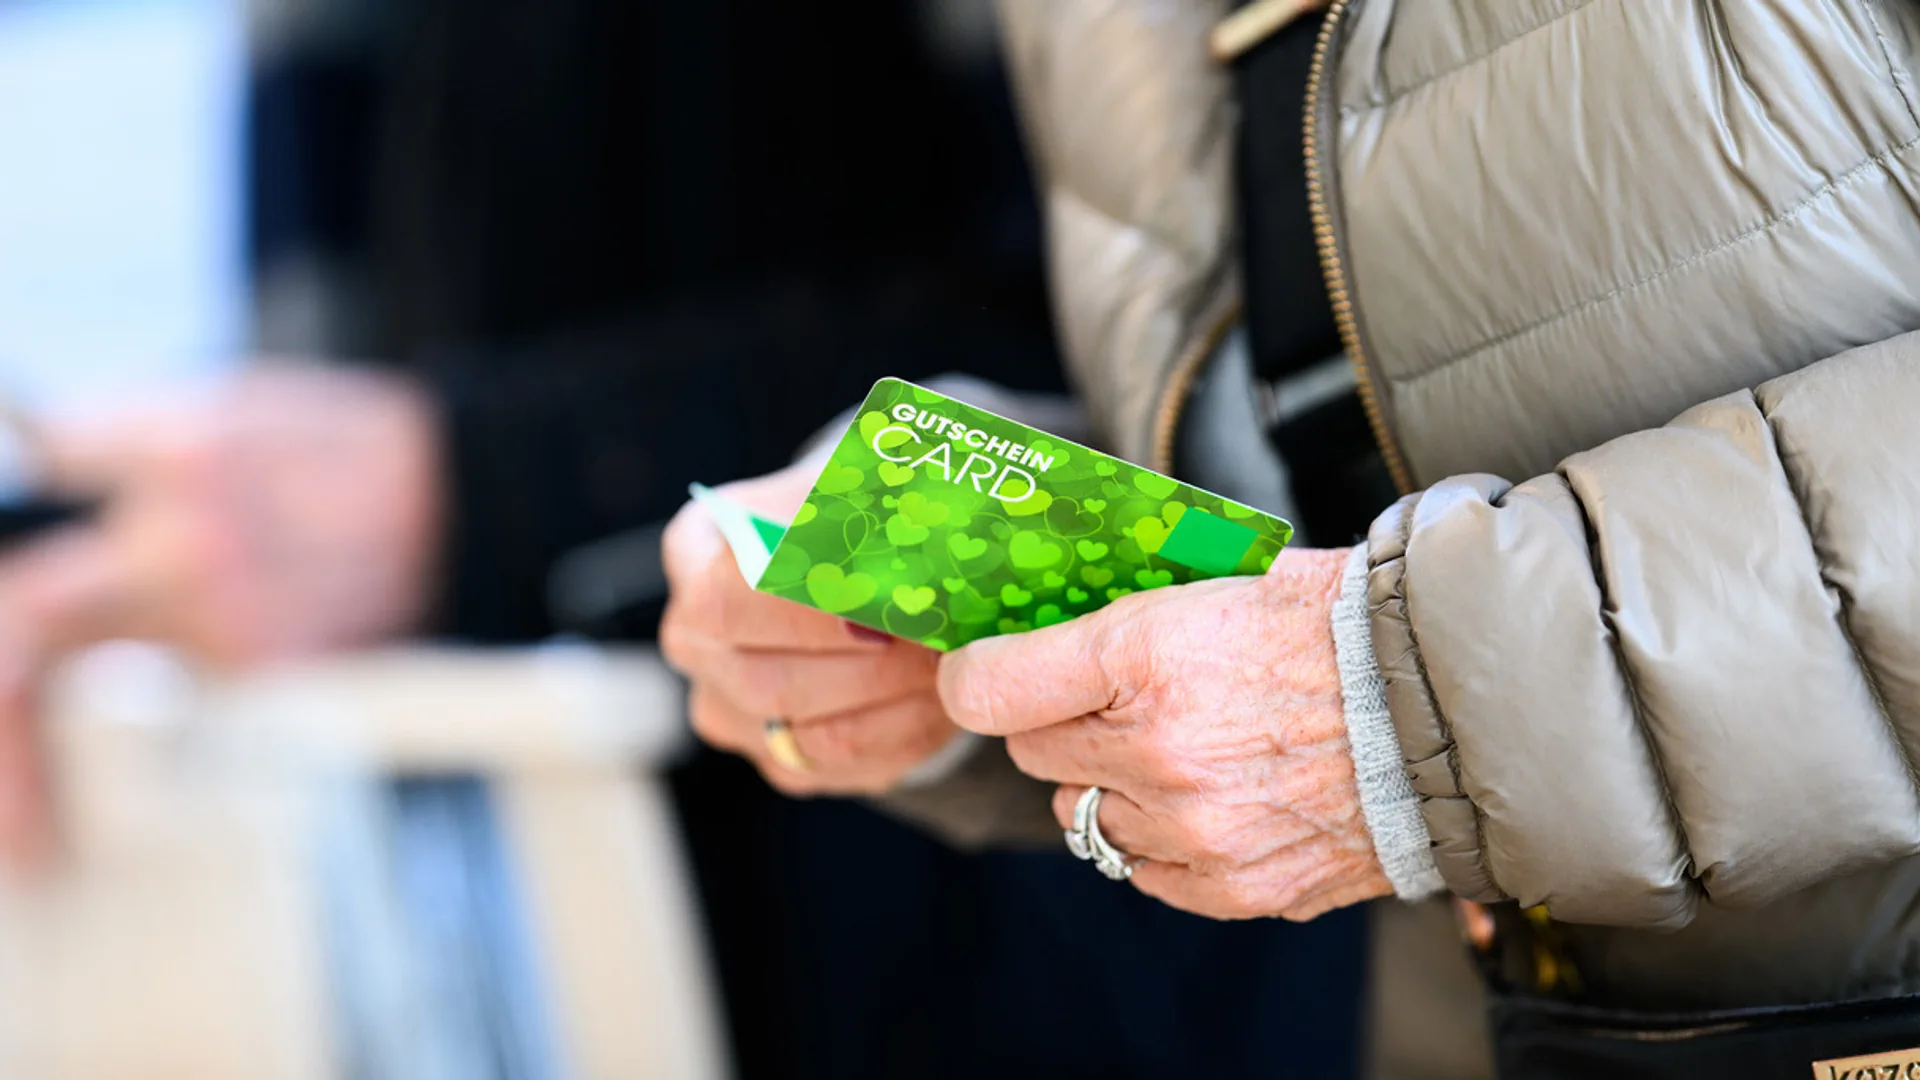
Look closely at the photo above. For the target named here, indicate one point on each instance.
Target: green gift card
(943, 523)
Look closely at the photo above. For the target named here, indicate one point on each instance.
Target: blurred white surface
(184, 938)
(121, 212)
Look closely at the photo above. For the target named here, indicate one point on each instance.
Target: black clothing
(637, 244)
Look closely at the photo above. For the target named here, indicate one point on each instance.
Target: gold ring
(784, 748)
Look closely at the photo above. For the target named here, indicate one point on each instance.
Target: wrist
(1309, 576)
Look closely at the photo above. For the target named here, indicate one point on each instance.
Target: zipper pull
(1253, 24)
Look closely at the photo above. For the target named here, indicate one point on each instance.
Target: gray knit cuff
(1386, 797)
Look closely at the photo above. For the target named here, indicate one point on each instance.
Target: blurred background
(625, 245)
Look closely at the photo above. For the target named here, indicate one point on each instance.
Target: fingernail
(866, 633)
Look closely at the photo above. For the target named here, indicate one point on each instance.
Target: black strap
(1339, 481)
(1289, 318)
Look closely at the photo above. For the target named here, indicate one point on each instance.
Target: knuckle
(705, 725)
(716, 723)
(1242, 895)
(704, 721)
(675, 648)
(868, 753)
(697, 605)
(1117, 650)
(676, 543)
(932, 737)
(1027, 755)
(1207, 831)
(1167, 758)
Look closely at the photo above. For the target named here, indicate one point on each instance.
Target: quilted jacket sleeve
(1685, 666)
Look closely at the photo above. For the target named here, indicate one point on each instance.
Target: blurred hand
(288, 511)
(862, 706)
(1211, 715)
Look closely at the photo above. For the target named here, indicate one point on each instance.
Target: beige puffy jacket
(1664, 677)
(1673, 680)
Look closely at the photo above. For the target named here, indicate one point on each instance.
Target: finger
(1125, 825)
(83, 456)
(722, 724)
(73, 588)
(871, 748)
(800, 686)
(863, 752)
(26, 815)
(777, 494)
(1019, 682)
(1065, 798)
(725, 726)
(96, 452)
(756, 620)
(1089, 750)
(1298, 882)
(1177, 886)
(692, 533)
(711, 599)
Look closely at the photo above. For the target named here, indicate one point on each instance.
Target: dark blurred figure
(623, 246)
(645, 243)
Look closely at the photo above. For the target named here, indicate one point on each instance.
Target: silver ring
(1111, 861)
(1080, 837)
(1086, 841)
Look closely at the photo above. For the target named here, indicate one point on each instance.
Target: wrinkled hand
(862, 706)
(1211, 715)
(288, 511)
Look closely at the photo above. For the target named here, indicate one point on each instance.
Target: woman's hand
(288, 511)
(291, 510)
(861, 707)
(1211, 715)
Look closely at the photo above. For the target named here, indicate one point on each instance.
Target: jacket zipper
(1319, 105)
(1187, 368)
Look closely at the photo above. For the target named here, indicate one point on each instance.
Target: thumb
(1019, 682)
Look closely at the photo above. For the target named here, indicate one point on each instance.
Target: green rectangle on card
(1208, 544)
(943, 523)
